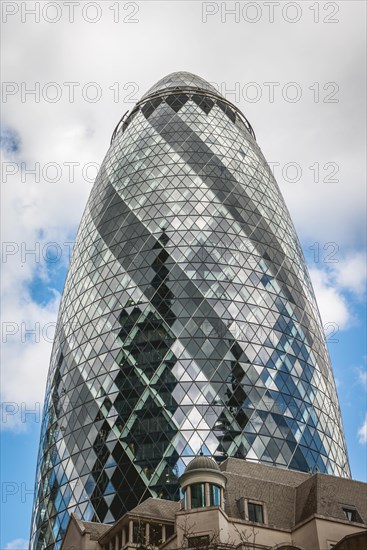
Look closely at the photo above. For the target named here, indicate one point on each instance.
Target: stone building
(238, 505)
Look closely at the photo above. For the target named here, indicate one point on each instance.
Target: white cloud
(331, 302)
(350, 273)
(305, 131)
(17, 544)
(79, 131)
(333, 283)
(27, 333)
(362, 377)
(362, 432)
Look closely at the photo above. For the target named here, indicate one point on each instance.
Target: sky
(70, 70)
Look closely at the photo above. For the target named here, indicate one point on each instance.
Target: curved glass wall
(188, 321)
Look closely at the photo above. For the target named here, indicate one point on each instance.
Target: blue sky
(41, 209)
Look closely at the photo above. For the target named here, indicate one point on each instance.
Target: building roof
(291, 497)
(202, 462)
(246, 468)
(355, 541)
(157, 507)
(94, 530)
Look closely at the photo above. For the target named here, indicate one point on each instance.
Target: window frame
(356, 517)
(256, 507)
(202, 495)
(215, 490)
(198, 541)
(244, 509)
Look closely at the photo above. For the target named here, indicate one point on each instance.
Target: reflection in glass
(197, 495)
(214, 495)
(188, 321)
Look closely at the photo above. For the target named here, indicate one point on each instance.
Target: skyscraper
(188, 321)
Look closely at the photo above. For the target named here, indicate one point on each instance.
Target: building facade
(188, 321)
(238, 506)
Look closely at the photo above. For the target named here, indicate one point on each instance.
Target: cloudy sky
(72, 69)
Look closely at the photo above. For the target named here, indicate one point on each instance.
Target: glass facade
(188, 321)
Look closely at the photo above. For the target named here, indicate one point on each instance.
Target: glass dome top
(181, 79)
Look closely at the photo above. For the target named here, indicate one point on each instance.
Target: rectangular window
(169, 531)
(198, 542)
(155, 534)
(255, 512)
(197, 495)
(351, 514)
(138, 533)
(214, 495)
